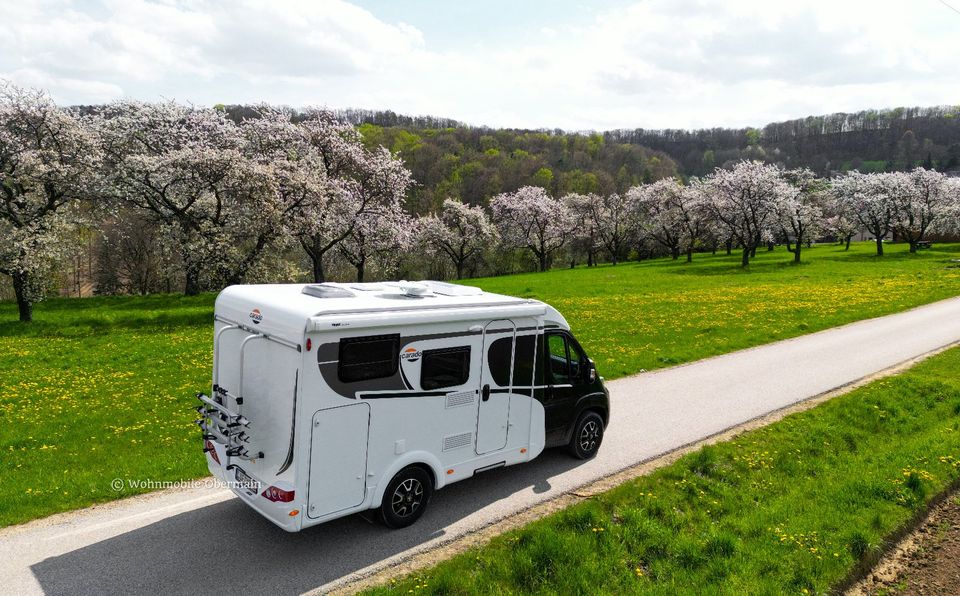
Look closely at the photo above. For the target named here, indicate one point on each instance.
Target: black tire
(406, 497)
(587, 436)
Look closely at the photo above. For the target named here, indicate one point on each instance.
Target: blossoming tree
(362, 185)
(922, 201)
(461, 232)
(868, 198)
(531, 219)
(799, 209)
(48, 160)
(190, 168)
(743, 199)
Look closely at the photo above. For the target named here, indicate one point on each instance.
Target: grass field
(790, 508)
(102, 388)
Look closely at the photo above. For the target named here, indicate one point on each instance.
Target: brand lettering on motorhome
(255, 316)
(410, 355)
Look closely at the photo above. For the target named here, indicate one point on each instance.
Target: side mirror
(592, 370)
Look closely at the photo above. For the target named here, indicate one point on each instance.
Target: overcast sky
(518, 63)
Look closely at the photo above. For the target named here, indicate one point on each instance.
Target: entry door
(338, 459)
(499, 338)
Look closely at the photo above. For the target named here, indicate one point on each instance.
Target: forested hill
(452, 159)
(869, 141)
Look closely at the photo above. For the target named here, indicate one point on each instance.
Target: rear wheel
(406, 497)
(587, 436)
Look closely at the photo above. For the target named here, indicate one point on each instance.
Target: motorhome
(334, 398)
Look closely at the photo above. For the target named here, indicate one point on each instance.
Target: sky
(567, 64)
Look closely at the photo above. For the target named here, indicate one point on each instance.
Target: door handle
(485, 392)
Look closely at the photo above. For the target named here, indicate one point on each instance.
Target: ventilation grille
(457, 441)
(460, 399)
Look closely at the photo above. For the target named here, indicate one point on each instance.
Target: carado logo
(410, 355)
(255, 316)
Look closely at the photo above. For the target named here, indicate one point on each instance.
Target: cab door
(564, 373)
(499, 340)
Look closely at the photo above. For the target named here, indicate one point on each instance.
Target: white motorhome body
(324, 393)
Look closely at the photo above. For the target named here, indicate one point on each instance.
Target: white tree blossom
(531, 219)
(868, 197)
(799, 209)
(460, 232)
(584, 237)
(611, 220)
(377, 237)
(193, 170)
(653, 206)
(743, 202)
(922, 200)
(358, 183)
(48, 160)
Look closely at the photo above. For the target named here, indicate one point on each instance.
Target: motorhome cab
(329, 399)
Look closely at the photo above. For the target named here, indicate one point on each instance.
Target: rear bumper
(278, 513)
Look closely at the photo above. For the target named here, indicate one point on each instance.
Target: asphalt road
(202, 539)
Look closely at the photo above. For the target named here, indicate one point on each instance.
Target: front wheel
(406, 497)
(587, 436)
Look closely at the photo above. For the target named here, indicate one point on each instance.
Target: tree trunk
(319, 276)
(745, 258)
(879, 246)
(459, 269)
(753, 252)
(770, 246)
(192, 284)
(361, 269)
(913, 246)
(675, 253)
(729, 247)
(848, 242)
(24, 305)
(690, 255)
(796, 253)
(543, 261)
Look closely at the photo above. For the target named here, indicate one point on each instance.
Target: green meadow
(791, 508)
(102, 388)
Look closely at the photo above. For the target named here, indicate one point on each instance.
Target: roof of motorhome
(280, 309)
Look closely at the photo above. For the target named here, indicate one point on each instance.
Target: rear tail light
(209, 448)
(278, 495)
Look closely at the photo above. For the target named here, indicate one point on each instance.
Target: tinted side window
(578, 363)
(371, 357)
(498, 357)
(445, 367)
(559, 364)
(523, 360)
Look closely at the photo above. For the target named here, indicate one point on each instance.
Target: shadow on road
(228, 547)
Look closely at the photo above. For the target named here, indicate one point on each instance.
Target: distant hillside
(871, 140)
(450, 158)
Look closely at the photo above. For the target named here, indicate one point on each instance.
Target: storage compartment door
(338, 459)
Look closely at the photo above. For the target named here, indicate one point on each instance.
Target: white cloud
(656, 63)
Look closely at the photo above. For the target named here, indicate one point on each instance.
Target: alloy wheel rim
(589, 435)
(407, 497)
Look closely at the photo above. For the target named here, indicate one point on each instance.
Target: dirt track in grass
(927, 561)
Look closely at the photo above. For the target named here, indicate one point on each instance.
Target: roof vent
(327, 291)
(414, 288)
